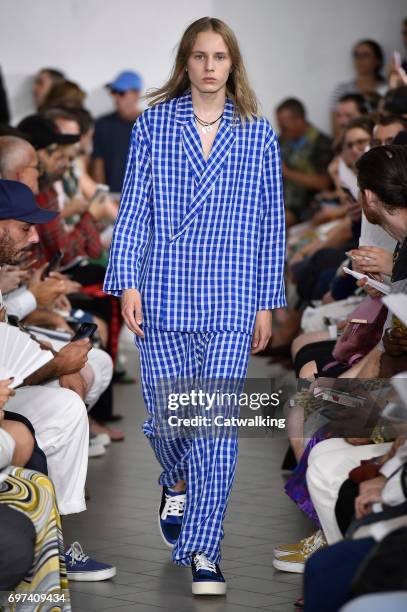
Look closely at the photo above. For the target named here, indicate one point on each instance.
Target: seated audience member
(19, 161)
(30, 525)
(382, 179)
(112, 131)
(384, 202)
(35, 303)
(66, 94)
(43, 82)
(368, 81)
(395, 102)
(314, 265)
(350, 106)
(353, 567)
(373, 257)
(386, 129)
(83, 239)
(52, 397)
(305, 154)
(102, 207)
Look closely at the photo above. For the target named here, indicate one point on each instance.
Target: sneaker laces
(174, 506)
(75, 551)
(203, 563)
(313, 543)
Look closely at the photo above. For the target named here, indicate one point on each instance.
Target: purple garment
(296, 485)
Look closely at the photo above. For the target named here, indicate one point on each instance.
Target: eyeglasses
(38, 167)
(114, 92)
(360, 143)
(376, 142)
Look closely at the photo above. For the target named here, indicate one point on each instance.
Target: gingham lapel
(205, 173)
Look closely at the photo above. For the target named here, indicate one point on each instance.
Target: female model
(198, 256)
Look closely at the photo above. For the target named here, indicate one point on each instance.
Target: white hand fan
(20, 356)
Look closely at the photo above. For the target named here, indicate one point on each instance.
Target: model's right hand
(131, 311)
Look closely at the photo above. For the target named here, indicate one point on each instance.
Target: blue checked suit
(204, 243)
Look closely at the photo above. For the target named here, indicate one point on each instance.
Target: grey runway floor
(120, 527)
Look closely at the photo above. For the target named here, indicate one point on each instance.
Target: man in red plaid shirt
(82, 240)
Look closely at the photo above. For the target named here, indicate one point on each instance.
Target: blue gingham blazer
(203, 241)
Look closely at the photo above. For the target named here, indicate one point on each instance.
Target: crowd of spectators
(346, 200)
(59, 198)
(346, 207)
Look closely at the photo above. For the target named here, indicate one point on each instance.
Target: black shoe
(207, 579)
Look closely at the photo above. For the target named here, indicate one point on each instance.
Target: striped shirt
(203, 241)
(345, 88)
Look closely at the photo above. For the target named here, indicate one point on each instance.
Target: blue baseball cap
(17, 202)
(126, 80)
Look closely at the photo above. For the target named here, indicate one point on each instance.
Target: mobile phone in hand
(53, 264)
(85, 330)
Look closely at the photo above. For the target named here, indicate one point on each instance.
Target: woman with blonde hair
(197, 256)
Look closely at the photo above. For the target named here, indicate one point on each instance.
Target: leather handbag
(362, 332)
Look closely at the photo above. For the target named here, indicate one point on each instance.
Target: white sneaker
(96, 450)
(101, 439)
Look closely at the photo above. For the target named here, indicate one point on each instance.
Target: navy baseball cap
(126, 80)
(17, 202)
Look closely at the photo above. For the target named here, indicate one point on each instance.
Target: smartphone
(85, 330)
(348, 192)
(53, 264)
(100, 194)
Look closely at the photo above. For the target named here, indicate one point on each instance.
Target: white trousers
(329, 464)
(98, 371)
(61, 426)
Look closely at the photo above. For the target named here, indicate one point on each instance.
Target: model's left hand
(262, 331)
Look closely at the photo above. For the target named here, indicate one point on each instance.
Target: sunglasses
(114, 92)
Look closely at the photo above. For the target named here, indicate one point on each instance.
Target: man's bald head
(19, 161)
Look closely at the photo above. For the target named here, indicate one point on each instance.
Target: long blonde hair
(237, 85)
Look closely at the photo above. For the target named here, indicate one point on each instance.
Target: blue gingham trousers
(207, 463)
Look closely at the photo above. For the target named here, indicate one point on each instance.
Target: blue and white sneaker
(82, 568)
(207, 579)
(170, 516)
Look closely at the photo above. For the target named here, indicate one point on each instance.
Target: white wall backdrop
(291, 47)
